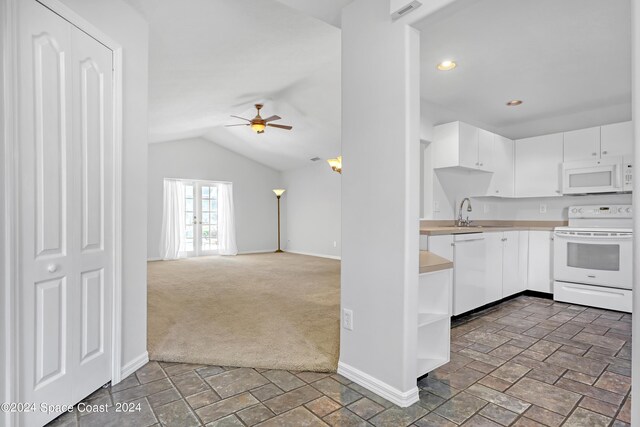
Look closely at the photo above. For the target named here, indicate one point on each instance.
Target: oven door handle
(562, 235)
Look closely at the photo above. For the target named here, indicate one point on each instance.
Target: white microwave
(611, 175)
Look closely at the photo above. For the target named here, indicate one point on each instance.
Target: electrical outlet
(543, 208)
(486, 208)
(436, 206)
(347, 319)
(335, 244)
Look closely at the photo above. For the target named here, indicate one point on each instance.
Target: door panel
(93, 151)
(92, 122)
(50, 331)
(92, 323)
(50, 100)
(45, 152)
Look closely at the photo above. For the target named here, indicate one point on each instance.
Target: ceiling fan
(258, 124)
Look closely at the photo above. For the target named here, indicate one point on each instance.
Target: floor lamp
(279, 192)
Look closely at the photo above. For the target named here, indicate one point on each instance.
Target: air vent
(315, 159)
(406, 9)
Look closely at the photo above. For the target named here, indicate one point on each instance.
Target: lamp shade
(279, 191)
(336, 164)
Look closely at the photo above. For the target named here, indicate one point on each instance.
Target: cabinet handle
(594, 154)
(604, 152)
(497, 191)
(481, 164)
(477, 163)
(558, 191)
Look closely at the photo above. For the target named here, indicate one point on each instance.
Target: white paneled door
(66, 205)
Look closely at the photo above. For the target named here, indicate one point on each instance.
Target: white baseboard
(382, 389)
(154, 259)
(134, 365)
(261, 251)
(313, 254)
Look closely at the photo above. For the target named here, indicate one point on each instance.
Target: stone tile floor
(526, 362)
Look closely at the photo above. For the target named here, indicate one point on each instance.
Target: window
(201, 218)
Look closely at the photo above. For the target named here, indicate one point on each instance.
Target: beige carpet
(278, 311)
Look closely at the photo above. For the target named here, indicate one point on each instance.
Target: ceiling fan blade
(272, 118)
(280, 126)
(243, 124)
(241, 118)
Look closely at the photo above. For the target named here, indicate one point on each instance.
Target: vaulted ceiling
(213, 58)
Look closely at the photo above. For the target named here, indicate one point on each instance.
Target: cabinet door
(511, 283)
(441, 246)
(468, 145)
(502, 180)
(494, 280)
(582, 144)
(617, 140)
(541, 261)
(485, 150)
(469, 274)
(523, 260)
(538, 163)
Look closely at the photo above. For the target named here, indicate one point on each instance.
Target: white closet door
(47, 264)
(66, 189)
(92, 170)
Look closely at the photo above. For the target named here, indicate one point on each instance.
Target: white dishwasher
(469, 272)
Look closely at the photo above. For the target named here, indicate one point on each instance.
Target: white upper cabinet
(617, 140)
(502, 181)
(599, 142)
(538, 162)
(582, 144)
(485, 150)
(459, 144)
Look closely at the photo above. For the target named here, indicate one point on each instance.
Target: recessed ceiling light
(446, 65)
(514, 103)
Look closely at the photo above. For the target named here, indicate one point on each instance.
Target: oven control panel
(601, 211)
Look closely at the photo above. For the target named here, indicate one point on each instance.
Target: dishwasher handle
(469, 237)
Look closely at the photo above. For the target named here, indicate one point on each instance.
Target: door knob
(52, 268)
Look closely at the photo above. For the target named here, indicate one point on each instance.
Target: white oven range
(593, 257)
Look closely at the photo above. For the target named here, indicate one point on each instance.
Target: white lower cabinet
(486, 266)
(434, 320)
(540, 275)
(470, 288)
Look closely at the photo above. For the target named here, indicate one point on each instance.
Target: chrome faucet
(464, 222)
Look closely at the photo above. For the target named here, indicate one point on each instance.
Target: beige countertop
(430, 262)
(435, 228)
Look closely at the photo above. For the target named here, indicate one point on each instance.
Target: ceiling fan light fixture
(258, 127)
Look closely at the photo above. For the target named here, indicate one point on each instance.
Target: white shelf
(425, 319)
(427, 365)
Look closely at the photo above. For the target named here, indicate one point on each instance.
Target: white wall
(123, 24)
(312, 210)
(197, 158)
(635, 54)
(380, 195)
(444, 190)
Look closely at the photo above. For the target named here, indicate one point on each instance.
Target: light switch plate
(347, 319)
(543, 208)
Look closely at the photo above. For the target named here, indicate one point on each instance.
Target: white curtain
(173, 222)
(226, 221)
